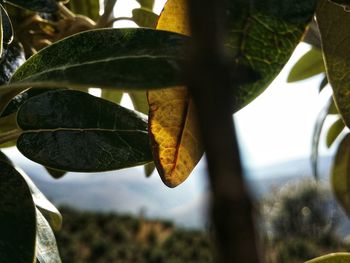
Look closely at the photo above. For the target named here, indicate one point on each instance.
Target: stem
(9, 136)
(103, 21)
(211, 83)
(65, 11)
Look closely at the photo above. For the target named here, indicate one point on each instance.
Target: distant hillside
(100, 238)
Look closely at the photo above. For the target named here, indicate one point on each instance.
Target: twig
(210, 83)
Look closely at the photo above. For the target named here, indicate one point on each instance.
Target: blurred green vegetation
(98, 237)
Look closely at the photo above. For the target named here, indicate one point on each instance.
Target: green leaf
(43, 204)
(6, 26)
(45, 6)
(334, 131)
(146, 4)
(114, 96)
(144, 17)
(149, 169)
(139, 100)
(17, 217)
(340, 174)
(340, 257)
(316, 136)
(134, 58)
(323, 83)
(333, 24)
(46, 247)
(309, 65)
(92, 135)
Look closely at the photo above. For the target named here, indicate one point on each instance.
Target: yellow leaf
(172, 119)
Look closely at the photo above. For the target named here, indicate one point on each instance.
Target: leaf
(6, 26)
(92, 135)
(45, 6)
(46, 247)
(323, 83)
(309, 65)
(334, 131)
(139, 101)
(12, 58)
(316, 135)
(89, 8)
(114, 96)
(340, 174)
(333, 24)
(149, 169)
(17, 217)
(146, 3)
(55, 173)
(19, 99)
(339, 257)
(262, 37)
(344, 3)
(144, 17)
(133, 58)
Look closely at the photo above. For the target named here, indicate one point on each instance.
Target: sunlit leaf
(17, 217)
(333, 23)
(146, 3)
(92, 135)
(139, 101)
(309, 65)
(334, 131)
(340, 257)
(317, 135)
(46, 247)
(45, 6)
(144, 17)
(341, 174)
(133, 58)
(114, 96)
(262, 36)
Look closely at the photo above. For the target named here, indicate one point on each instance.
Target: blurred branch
(209, 79)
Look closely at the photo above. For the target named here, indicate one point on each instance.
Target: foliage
(63, 128)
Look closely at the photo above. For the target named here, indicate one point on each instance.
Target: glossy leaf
(340, 257)
(45, 6)
(334, 131)
(317, 135)
(46, 247)
(262, 37)
(341, 174)
(92, 135)
(309, 65)
(133, 58)
(17, 217)
(333, 24)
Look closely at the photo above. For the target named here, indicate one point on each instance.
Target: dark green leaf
(309, 65)
(12, 58)
(316, 136)
(131, 58)
(92, 135)
(333, 23)
(55, 173)
(19, 99)
(149, 169)
(4, 158)
(144, 17)
(334, 131)
(46, 247)
(340, 175)
(45, 6)
(17, 218)
(6, 27)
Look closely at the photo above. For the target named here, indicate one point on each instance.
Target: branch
(210, 79)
